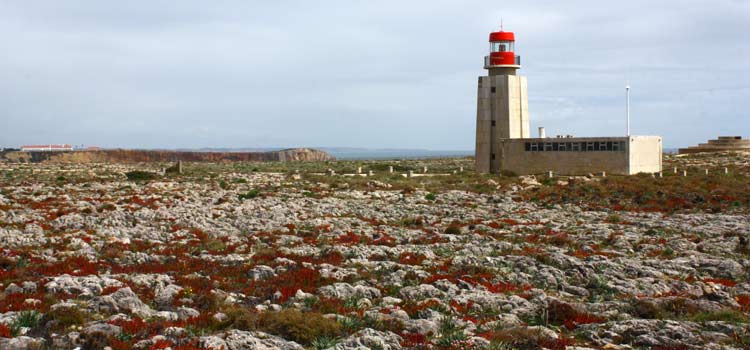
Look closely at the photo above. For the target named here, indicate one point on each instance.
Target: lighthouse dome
(502, 36)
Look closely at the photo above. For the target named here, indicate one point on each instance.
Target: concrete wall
(645, 154)
(637, 154)
(504, 100)
(483, 138)
(518, 106)
(515, 158)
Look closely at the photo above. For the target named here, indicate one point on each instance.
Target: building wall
(504, 100)
(630, 156)
(484, 128)
(516, 159)
(645, 154)
(518, 106)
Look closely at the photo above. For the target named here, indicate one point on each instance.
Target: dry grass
(291, 324)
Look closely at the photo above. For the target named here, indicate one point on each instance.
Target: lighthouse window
(502, 46)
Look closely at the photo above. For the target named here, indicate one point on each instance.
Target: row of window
(615, 146)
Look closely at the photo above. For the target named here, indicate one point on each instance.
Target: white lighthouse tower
(502, 103)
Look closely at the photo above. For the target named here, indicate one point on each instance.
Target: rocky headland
(135, 156)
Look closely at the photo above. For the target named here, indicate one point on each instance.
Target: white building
(46, 148)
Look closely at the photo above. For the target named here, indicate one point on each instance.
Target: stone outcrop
(722, 144)
(134, 156)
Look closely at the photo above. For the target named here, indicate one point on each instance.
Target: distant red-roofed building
(46, 148)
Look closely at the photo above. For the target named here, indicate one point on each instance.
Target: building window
(590, 146)
(492, 156)
(492, 89)
(493, 123)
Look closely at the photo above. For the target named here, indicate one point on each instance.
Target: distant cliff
(133, 156)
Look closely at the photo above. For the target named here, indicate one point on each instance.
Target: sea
(374, 154)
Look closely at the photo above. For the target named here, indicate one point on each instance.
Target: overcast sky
(380, 74)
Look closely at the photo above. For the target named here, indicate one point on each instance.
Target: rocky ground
(258, 256)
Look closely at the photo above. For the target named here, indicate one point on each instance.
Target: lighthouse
(503, 144)
(502, 102)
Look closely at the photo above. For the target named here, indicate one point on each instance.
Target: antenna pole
(627, 108)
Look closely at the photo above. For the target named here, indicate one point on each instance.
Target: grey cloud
(361, 73)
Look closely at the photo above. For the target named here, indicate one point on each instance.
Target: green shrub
(411, 221)
(430, 197)
(324, 343)
(614, 218)
(243, 319)
(28, 318)
(249, 195)
(351, 324)
(453, 230)
(449, 332)
(138, 175)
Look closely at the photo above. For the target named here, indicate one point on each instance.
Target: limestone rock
(368, 339)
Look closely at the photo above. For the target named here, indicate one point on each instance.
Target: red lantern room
(502, 56)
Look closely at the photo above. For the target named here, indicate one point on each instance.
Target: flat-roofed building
(580, 155)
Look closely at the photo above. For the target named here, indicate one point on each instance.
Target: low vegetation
(251, 253)
(138, 175)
